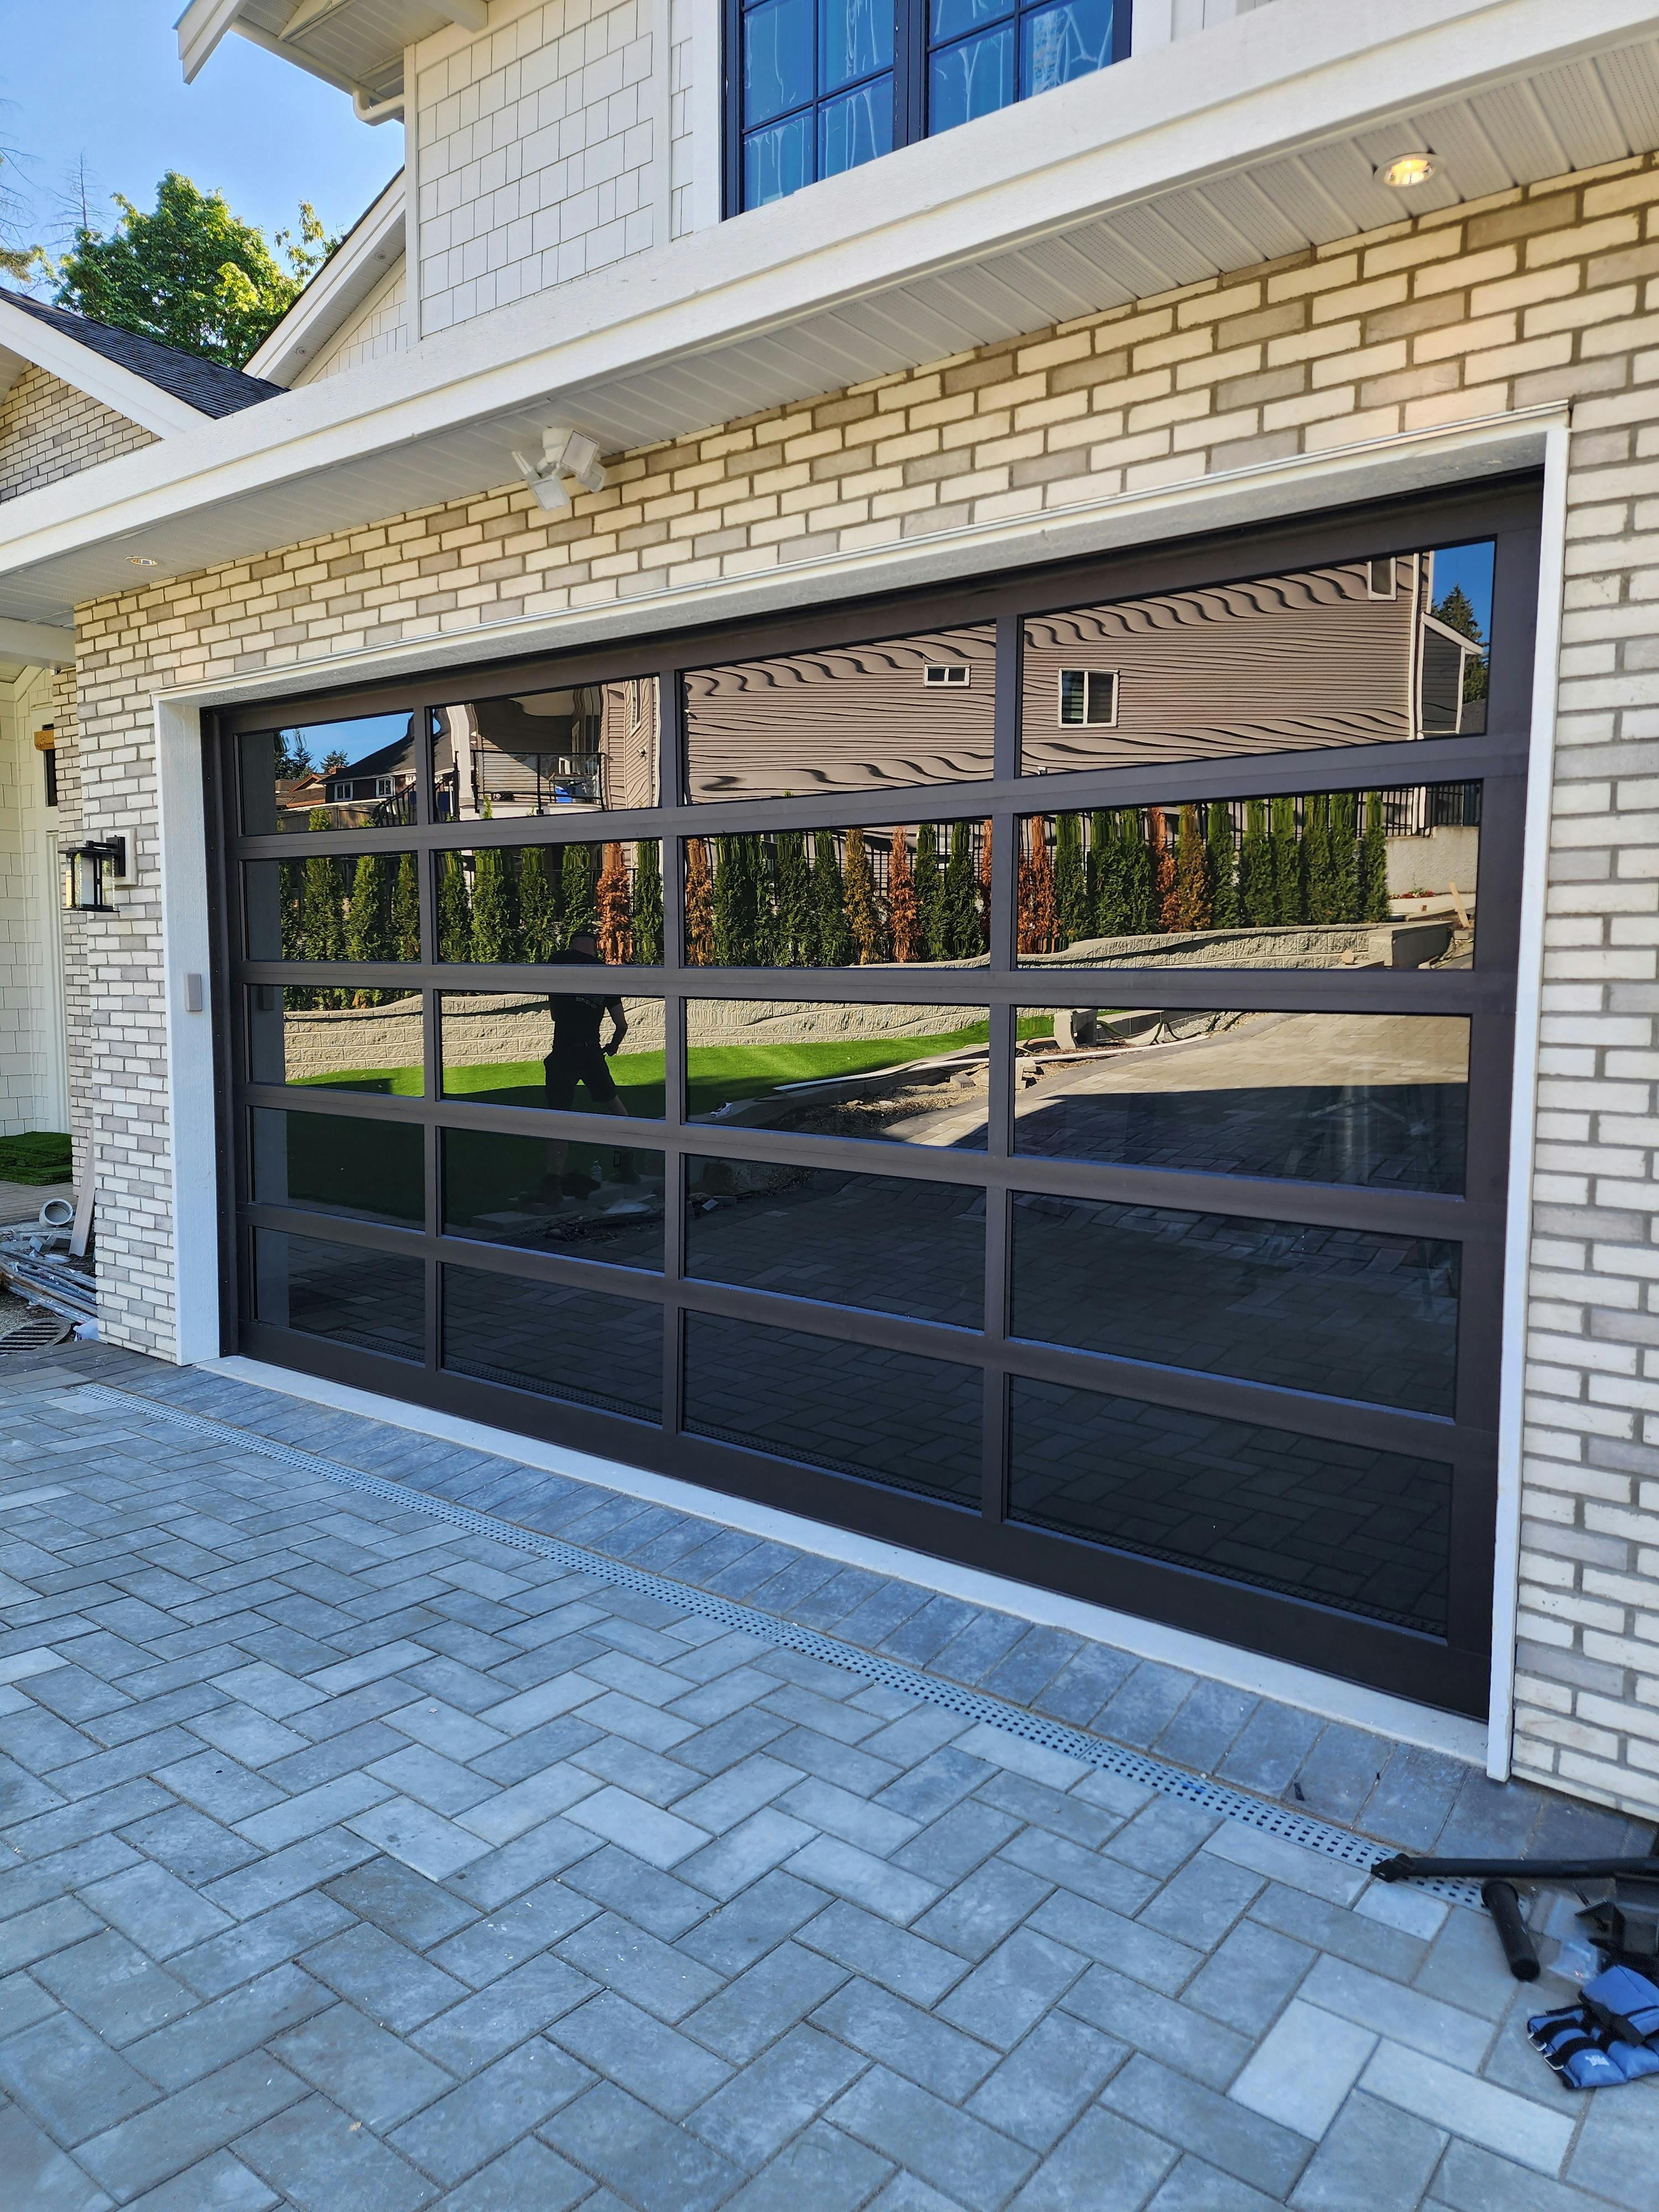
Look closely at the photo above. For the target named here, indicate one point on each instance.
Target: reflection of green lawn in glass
(718, 1075)
(388, 1081)
(637, 1075)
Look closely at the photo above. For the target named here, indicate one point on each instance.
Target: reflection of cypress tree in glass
(903, 912)
(864, 916)
(835, 946)
(322, 910)
(1192, 874)
(454, 909)
(699, 905)
(1222, 869)
(1344, 857)
(576, 882)
(795, 937)
(406, 910)
(366, 935)
(734, 904)
(1163, 870)
(1037, 890)
(1099, 830)
(1258, 906)
(1287, 868)
(983, 883)
(610, 899)
(958, 900)
(1071, 883)
(930, 892)
(1374, 863)
(647, 904)
(494, 918)
(538, 907)
(763, 869)
(1319, 890)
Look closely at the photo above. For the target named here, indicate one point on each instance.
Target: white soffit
(357, 45)
(798, 299)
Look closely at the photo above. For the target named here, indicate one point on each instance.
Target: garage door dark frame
(1452, 1672)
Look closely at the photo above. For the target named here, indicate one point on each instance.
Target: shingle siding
(1544, 296)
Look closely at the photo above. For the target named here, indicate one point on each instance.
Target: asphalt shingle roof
(203, 384)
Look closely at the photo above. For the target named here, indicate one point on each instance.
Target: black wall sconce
(88, 868)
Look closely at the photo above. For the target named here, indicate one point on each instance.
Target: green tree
(576, 886)
(1319, 892)
(538, 907)
(959, 899)
(191, 274)
(1344, 858)
(454, 909)
(796, 940)
(1287, 876)
(1072, 904)
(1456, 612)
(1257, 903)
(647, 902)
(1224, 866)
(1374, 863)
(495, 918)
(763, 877)
(1099, 830)
(734, 903)
(322, 918)
(368, 917)
(930, 889)
(834, 938)
(406, 910)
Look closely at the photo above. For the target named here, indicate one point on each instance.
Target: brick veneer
(49, 430)
(1539, 295)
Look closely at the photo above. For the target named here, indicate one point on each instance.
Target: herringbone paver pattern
(353, 1860)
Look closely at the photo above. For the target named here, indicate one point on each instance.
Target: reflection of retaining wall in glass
(341, 1040)
(1338, 945)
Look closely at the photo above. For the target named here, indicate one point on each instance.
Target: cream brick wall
(1542, 295)
(48, 430)
(534, 146)
(379, 328)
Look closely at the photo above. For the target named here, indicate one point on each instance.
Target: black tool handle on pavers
(1404, 1868)
(1504, 1906)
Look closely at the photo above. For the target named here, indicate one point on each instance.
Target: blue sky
(102, 77)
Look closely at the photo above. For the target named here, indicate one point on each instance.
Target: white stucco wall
(31, 1038)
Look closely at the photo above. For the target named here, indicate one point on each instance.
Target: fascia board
(12, 366)
(37, 645)
(337, 290)
(1240, 94)
(75, 364)
(203, 24)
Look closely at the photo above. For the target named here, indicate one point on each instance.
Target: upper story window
(824, 85)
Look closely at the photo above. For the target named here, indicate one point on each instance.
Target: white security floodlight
(565, 453)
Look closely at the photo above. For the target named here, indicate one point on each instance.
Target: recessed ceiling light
(140, 560)
(1406, 170)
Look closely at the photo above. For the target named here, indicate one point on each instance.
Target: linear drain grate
(1133, 1767)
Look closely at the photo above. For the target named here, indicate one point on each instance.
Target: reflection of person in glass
(578, 1057)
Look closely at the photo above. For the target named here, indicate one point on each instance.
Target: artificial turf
(40, 1156)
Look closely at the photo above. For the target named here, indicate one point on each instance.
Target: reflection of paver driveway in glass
(1346, 1098)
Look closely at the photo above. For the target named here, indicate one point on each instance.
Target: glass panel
(374, 1301)
(580, 1345)
(336, 1163)
(883, 1242)
(540, 905)
(329, 776)
(1057, 44)
(855, 128)
(1364, 1531)
(839, 898)
(777, 59)
(1311, 658)
(373, 1048)
(913, 1075)
(855, 39)
(975, 78)
(954, 19)
(1342, 1098)
(593, 746)
(549, 1194)
(1328, 880)
(844, 718)
(334, 906)
(559, 1049)
(1346, 1312)
(777, 162)
(908, 1423)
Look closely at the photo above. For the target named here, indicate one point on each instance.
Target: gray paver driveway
(361, 1863)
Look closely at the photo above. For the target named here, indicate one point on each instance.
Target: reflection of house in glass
(371, 790)
(592, 745)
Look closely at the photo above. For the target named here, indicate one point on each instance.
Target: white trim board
(122, 390)
(1350, 1703)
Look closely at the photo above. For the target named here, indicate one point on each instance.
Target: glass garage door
(1024, 1075)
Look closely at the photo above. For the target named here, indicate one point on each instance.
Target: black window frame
(1452, 1671)
(910, 53)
